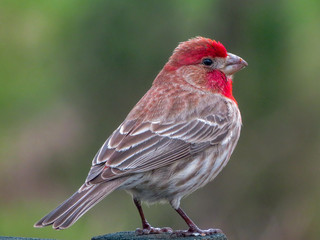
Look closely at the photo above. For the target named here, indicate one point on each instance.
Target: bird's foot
(153, 230)
(196, 232)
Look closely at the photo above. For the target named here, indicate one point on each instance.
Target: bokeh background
(71, 70)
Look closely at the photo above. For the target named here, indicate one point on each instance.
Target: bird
(175, 140)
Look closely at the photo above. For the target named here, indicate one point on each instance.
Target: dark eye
(207, 61)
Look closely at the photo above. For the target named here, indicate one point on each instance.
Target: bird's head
(205, 64)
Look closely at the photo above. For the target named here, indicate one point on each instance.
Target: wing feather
(138, 146)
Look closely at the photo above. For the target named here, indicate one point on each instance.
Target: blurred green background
(71, 70)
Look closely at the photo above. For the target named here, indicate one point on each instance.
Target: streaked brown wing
(139, 147)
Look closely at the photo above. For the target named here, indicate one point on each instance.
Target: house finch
(176, 139)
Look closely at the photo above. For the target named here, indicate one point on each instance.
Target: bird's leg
(146, 227)
(193, 228)
(145, 224)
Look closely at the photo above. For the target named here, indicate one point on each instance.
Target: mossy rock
(133, 235)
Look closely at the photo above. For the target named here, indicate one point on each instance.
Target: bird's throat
(217, 81)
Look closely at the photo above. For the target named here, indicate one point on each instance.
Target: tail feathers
(78, 204)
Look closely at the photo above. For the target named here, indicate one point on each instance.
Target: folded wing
(138, 146)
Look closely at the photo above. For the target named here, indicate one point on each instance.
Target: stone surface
(133, 235)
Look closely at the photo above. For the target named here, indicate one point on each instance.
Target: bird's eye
(207, 61)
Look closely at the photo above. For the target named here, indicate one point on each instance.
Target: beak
(233, 64)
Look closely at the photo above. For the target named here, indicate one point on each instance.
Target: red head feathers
(192, 51)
